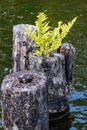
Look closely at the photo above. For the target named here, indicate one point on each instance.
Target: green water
(14, 12)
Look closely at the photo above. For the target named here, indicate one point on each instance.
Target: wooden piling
(24, 101)
(69, 53)
(22, 45)
(54, 68)
(58, 68)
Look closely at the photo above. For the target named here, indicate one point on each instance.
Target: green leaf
(48, 40)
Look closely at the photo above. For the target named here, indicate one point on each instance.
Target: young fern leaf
(46, 40)
(60, 32)
(42, 38)
(66, 27)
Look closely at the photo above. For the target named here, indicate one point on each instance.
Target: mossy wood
(24, 101)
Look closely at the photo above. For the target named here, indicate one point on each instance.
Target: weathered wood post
(22, 45)
(69, 53)
(58, 68)
(24, 101)
(54, 67)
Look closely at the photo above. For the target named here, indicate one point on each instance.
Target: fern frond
(66, 28)
(41, 24)
(60, 32)
(48, 40)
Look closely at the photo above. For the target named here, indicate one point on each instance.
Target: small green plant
(48, 40)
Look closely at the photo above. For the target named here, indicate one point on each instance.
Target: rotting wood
(54, 68)
(69, 53)
(26, 61)
(22, 45)
(24, 101)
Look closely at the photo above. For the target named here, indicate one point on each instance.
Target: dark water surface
(14, 12)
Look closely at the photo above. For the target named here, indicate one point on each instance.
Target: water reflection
(78, 109)
(63, 124)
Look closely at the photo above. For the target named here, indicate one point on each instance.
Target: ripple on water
(0, 123)
(75, 95)
(72, 128)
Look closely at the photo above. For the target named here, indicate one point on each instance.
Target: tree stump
(54, 67)
(22, 45)
(59, 69)
(69, 53)
(24, 101)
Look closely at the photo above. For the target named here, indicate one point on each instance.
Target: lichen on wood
(58, 67)
(24, 101)
(54, 68)
(69, 53)
(22, 45)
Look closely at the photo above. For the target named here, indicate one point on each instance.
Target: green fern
(60, 32)
(48, 40)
